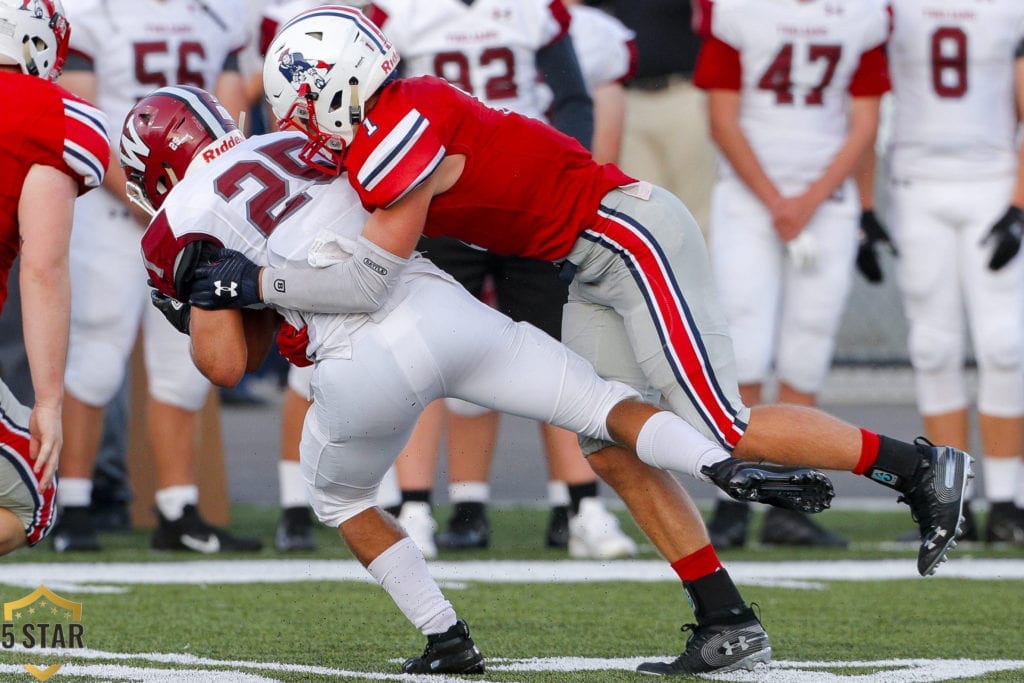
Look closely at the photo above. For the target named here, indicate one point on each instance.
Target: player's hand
(46, 439)
(1006, 233)
(872, 234)
(791, 214)
(229, 280)
(177, 313)
(292, 343)
(803, 251)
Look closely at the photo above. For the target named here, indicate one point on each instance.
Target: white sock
(171, 501)
(558, 493)
(669, 442)
(469, 492)
(292, 487)
(402, 572)
(1001, 476)
(74, 492)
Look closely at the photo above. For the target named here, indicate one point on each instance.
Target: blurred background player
(500, 52)
(793, 99)
(666, 138)
(956, 194)
(50, 152)
(120, 51)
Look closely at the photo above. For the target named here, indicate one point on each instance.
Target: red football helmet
(166, 131)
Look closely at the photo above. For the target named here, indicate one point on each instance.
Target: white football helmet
(319, 70)
(34, 35)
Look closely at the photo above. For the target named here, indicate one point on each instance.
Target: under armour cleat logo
(740, 644)
(220, 290)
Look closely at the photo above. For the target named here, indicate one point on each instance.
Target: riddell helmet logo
(215, 150)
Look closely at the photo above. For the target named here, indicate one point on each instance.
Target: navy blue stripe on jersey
(87, 160)
(87, 114)
(397, 150)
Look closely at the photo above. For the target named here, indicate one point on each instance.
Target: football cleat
(294, 530)
(1005, 524)
(419, 524)
(467, 529)
(936, 495)
(794, 488)
(558, 527)
(451, 652)
(718, 649)
(594, 533)
(74, 531)
(785, 527)
(192, 532)
(728, 526)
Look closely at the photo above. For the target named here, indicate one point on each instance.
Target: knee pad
(465, 408)
(999, 350)
(1000, 392)
(94, 373)
(934, 350)
(940, 392)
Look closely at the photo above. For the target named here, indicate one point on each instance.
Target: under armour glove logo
(872, 234)
(230, 280)
(177, 313)
(1007, 235)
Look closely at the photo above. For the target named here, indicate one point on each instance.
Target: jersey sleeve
(606, 48)
(871, 79)
(376, 14)
(718, 66)
(395, 161)
(86, 142)
(556, 23)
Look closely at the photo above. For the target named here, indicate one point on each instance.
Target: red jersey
(58, 129)
(526, 189)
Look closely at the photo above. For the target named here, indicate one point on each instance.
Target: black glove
(1006, 233)
(177, 313)
(230, 280)
(872, 234)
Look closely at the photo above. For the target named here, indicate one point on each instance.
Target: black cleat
(468, 528)
(191, 532)
(558, 528)
(294, 531)
(968, 530)
(785, 527)
(451, 652)
(936, 496)
(794, 488)
(728, 526)
(74, 531)
(1005, 524)
(718, 648)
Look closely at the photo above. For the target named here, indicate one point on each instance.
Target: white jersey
(487, 49)
(798, 64)
(137, 46)
(316, 223)
(952, 69)
(604, 46)
(276, 14)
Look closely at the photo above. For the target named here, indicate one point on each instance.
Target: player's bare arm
(46, 301)
(228, 343)
(724, 121)
(793, 213)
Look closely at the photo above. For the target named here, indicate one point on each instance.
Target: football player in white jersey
(429, 339)
(120, 51)
(793, 98)
(500, 52)
(955, 208)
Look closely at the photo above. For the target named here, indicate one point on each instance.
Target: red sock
(868, 451)
(697, 564)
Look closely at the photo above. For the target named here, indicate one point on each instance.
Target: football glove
(1007, 234)
(177, 313)
(229, 280)
(872, 234)
(803, 251)
(291, 344)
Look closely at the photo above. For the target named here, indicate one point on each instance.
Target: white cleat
(419, 523)
(594, 534)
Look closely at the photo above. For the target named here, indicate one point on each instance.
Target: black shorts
(526, 290)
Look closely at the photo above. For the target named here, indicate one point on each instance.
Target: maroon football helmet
(166, 131)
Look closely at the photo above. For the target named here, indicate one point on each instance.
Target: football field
(860, 614)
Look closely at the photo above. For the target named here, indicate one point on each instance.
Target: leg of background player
(416, 466)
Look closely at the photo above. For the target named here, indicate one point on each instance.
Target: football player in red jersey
(50, 153)
(426, 158)
(430, 340)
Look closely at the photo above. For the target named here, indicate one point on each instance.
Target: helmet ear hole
(336, 102)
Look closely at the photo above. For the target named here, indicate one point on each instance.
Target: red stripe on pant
(673, 324)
